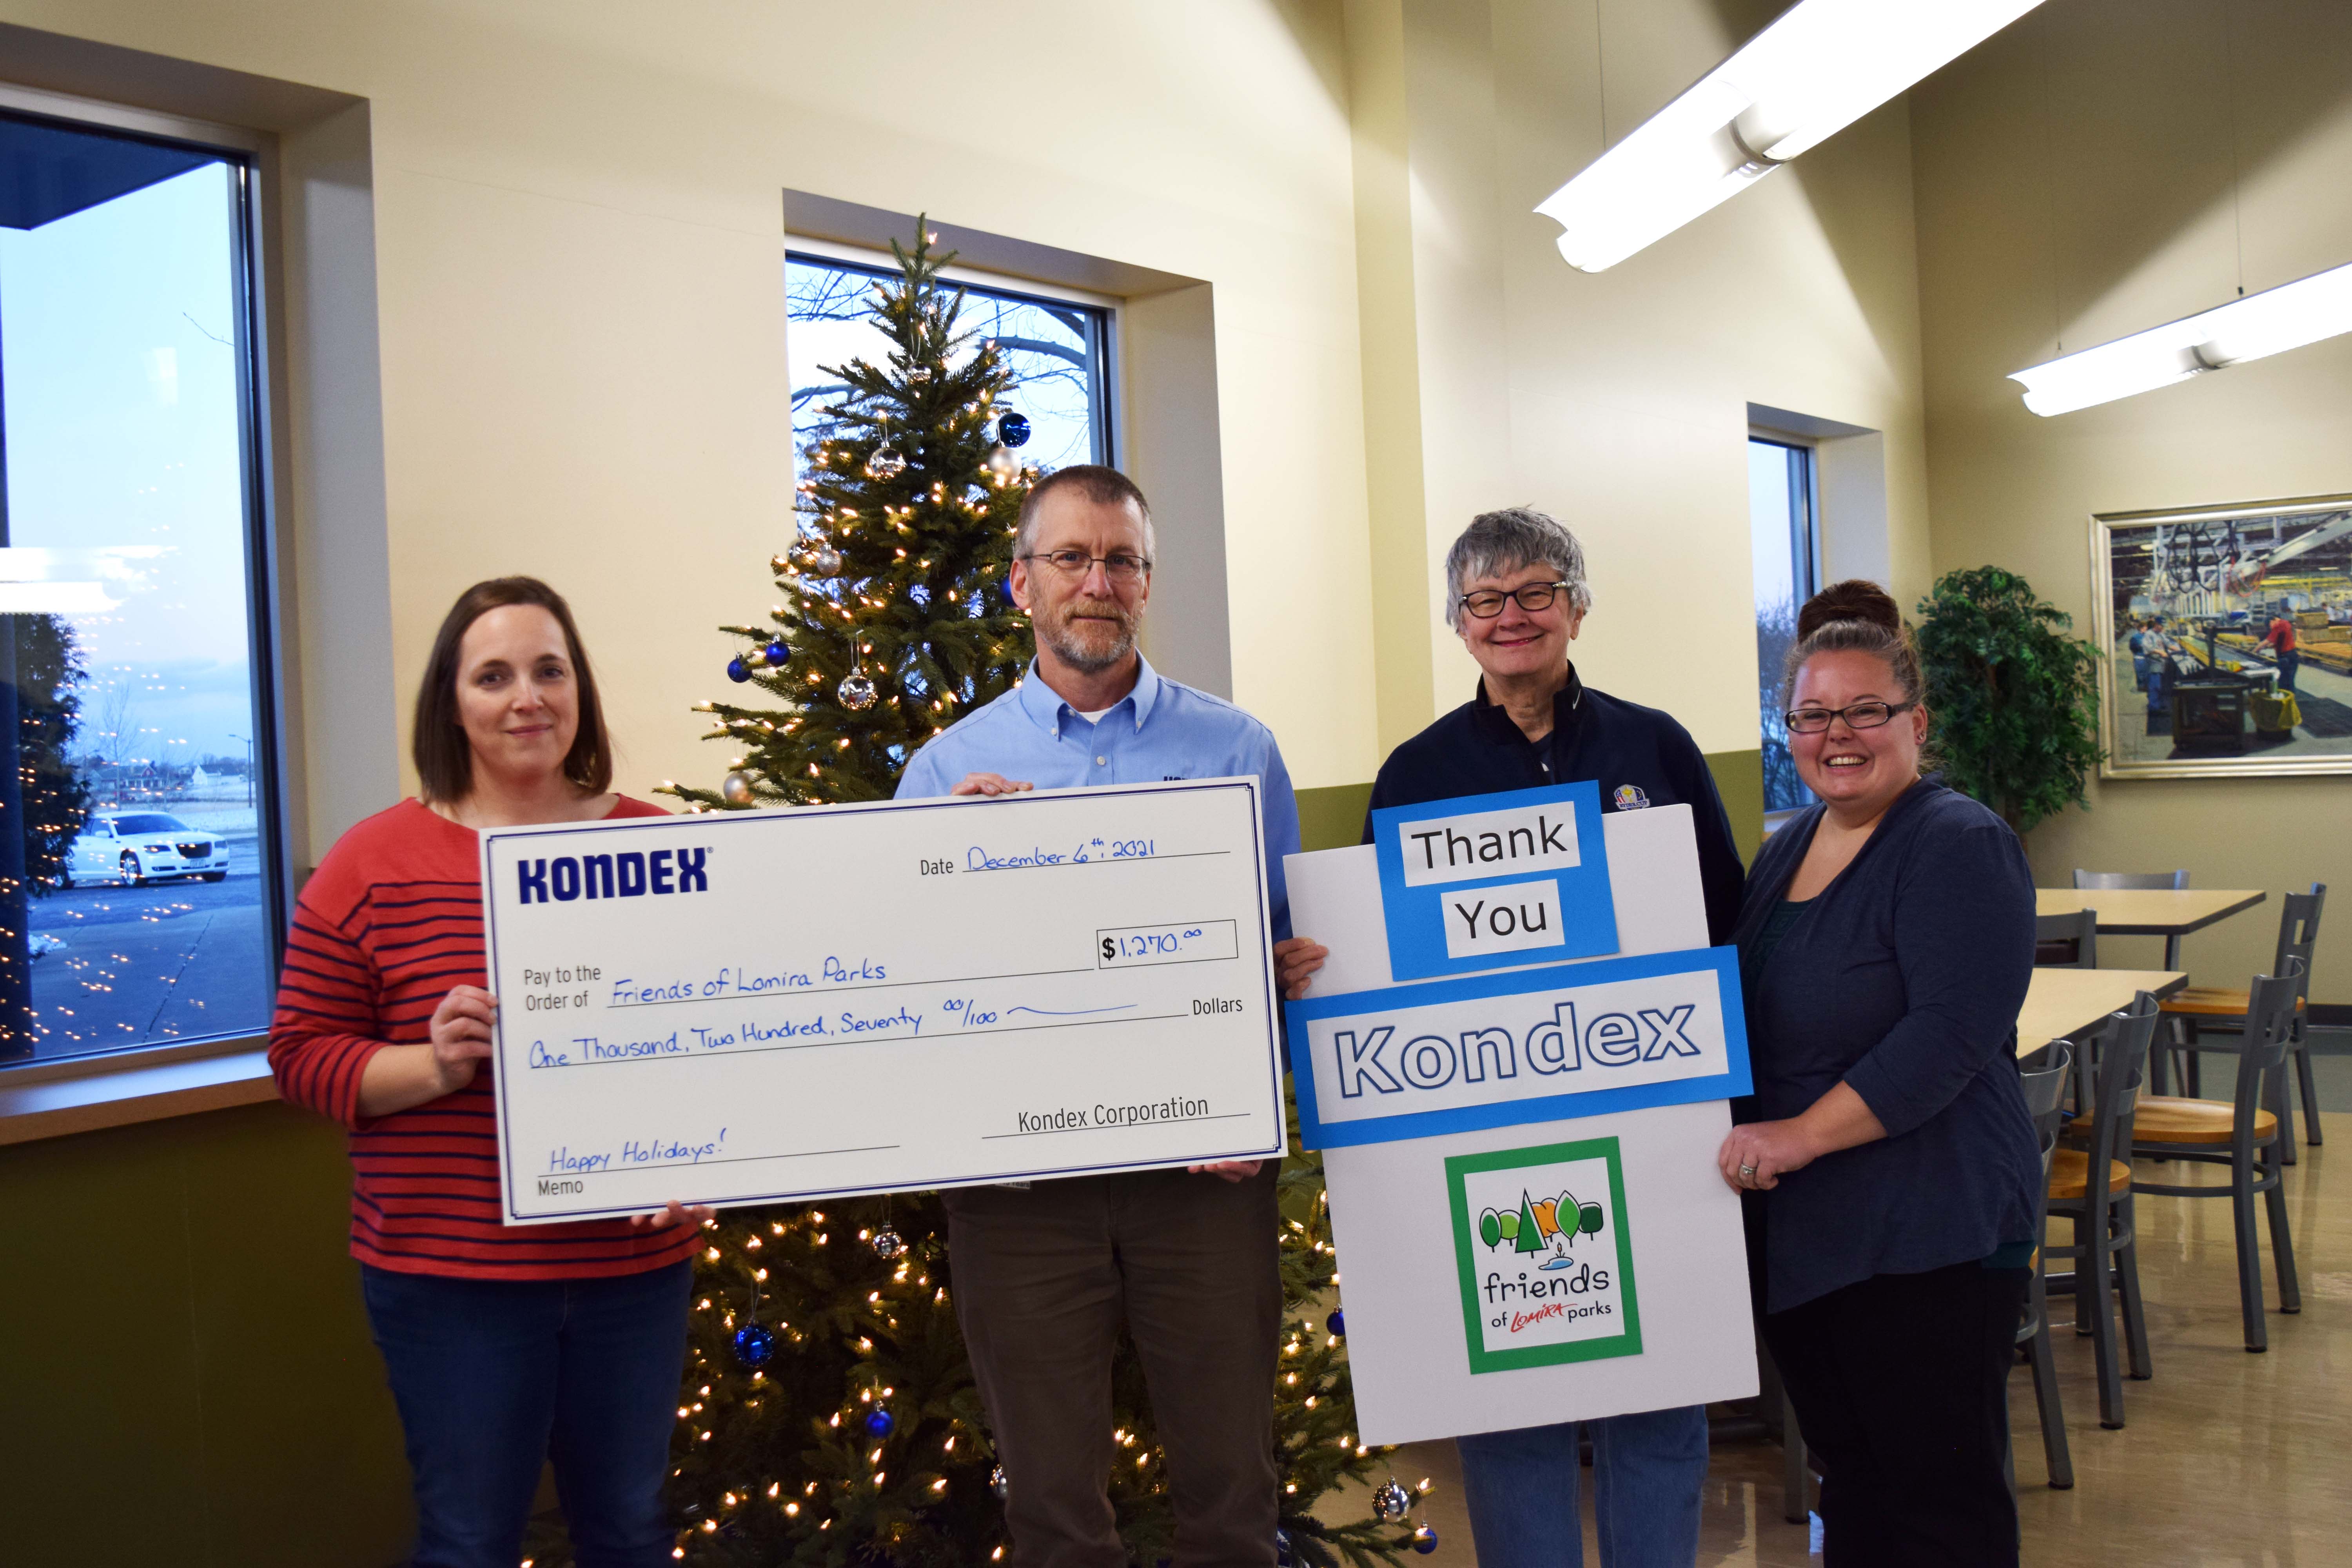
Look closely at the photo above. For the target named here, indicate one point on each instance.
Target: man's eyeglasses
(1857, 716)
(1119, 566)
(1487, 602)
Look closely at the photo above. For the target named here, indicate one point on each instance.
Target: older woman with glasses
(1517, 595)
(1887, 1165)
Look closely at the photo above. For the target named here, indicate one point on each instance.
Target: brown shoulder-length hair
(444, 758)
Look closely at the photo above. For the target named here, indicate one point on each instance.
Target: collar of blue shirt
(1047, 710)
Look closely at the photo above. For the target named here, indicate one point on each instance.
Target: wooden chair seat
(2070, 1174)
(2164, 1119)
(2211, 1002)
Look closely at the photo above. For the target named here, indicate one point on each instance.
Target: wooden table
(2150, 912)
(2062, 1003)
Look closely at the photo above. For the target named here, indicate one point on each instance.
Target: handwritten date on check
(744, 1007)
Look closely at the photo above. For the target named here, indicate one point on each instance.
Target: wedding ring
(1746, 1169)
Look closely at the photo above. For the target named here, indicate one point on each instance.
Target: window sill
(86, 1096)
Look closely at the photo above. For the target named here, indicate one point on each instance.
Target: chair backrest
(2123, 1062)
(2160, 880)
(2261, 1051)
(2298, 934)
(2066, 942)
(2043, 1075)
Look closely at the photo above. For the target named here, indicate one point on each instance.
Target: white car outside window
(136, 847)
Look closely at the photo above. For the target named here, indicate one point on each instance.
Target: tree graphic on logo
(1538, 1224)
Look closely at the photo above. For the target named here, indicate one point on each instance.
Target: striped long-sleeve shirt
(383, 929)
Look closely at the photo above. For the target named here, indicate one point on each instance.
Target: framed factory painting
(2227, 632)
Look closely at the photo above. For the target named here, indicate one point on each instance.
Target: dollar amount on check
(746, 1006)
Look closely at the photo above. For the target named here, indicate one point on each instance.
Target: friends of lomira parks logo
(1545, 1256)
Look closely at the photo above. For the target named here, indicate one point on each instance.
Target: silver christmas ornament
(889, 1243)
(1391, 1503)
(737, 789)
(855, 692)
(1003, 463)
(887, 463)
(822, 560)
(996, 1481)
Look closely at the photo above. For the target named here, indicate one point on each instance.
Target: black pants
(1901, 1385)
(1042, 1280)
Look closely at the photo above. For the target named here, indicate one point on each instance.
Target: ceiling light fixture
(2259, 325)
(1823, 64)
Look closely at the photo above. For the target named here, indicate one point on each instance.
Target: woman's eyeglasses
(1857, 716)
(1487, 602)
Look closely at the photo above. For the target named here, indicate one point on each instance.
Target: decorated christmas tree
(829, 1415)
(895, 619)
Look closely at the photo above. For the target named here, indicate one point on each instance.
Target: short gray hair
(1101, 485)
(1506, 540)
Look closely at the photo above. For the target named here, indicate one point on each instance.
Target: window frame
(1805, 560)
(1805, 569)
(43, 1096)
(1111, 307)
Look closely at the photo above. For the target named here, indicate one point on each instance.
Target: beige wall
(1496, 373)
(2074, 183)
(578, 240)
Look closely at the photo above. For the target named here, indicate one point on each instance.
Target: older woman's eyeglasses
(1857, 716)
(1487, 602)
(1119, 567)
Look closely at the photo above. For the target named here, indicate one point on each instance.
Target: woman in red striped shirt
(503, 1347)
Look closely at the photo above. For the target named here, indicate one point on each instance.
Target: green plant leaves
(2013, 697)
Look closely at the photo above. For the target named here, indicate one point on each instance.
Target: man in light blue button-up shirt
(1045, 1273)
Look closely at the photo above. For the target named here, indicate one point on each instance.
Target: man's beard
(1090, 647)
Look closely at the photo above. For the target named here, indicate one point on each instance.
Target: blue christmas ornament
(1425, 1540)
(755, 1345)
(1282, 1555)
(1011, 428)
(880, 1422)
(738, 671)
(1337, 1323)
(776, 652)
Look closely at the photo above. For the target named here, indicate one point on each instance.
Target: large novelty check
(742, 1006)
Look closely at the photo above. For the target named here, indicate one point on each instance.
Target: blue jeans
(494, 1378)
(1647, 1472)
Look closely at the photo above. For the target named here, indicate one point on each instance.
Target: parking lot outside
(178, 959)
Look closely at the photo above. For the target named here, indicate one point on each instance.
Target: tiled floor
(2228, 1458)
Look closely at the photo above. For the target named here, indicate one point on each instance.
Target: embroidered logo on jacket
(1629, 797)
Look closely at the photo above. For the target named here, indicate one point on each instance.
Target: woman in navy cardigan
(1886, 1160)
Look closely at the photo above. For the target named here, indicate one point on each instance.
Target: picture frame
(2225, 638)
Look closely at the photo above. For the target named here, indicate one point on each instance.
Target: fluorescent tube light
(2271, 322)
(1823, 64)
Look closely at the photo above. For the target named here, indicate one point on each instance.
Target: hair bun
(1856, 599)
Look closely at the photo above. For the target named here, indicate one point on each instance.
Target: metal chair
(2183, 1065)
(2197, 1008)
(2092, 1189)
(2156, 881)
(2042, 1076)
(2233, 1133)
(2066, 942)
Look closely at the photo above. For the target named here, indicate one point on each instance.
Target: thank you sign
(1507, 877)
(1516, 1060)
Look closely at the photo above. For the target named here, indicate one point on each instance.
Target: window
(1058, 349)
(136, 904)
(1780, 521)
